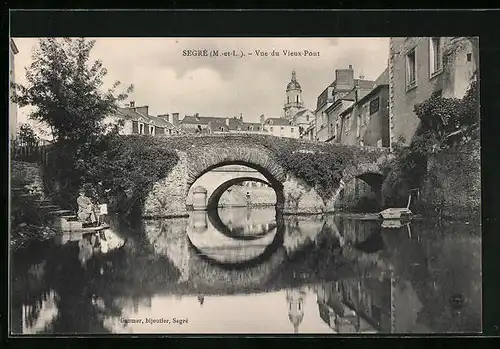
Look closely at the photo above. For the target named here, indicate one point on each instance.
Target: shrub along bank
(445, 144)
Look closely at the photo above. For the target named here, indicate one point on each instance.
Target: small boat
(396, 213)
(74, 225)
(394, 223)
(399, 212)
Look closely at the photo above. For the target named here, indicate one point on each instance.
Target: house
(420, 67)
(281, 127)
(136, 120)
(344, 87)
(366, 122)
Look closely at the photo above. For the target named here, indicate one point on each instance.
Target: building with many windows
(136, 120)
(366, 121)
(336, 97)
(420, 67)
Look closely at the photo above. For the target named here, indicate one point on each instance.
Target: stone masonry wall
(300, 198)
(168, 196)
(453, 183)
(28, 173)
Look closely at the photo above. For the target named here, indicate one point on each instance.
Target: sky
(169, 82)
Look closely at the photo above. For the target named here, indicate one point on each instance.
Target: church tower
(293, 101)
(295, 302)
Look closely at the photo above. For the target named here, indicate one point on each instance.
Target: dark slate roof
(161, 122)
(132, 114)
(198, 120)
(277, 122)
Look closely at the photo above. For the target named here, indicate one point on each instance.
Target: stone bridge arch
(199, 155)
(214, 197)
(369, 173)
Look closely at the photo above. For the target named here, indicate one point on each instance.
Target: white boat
(396, 213)
(399, 212)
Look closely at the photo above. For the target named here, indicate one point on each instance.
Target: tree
(27, 136)
(65, 89)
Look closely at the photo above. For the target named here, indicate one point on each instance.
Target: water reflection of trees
(424, 272)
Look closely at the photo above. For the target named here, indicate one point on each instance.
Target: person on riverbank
(102, 197)
(86, 209)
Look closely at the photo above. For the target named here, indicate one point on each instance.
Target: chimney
(344, 78)
(132, 104)
(144, 110)
(175, 119)
(165, 116)
(361, 77)
(241, 116)
(262, 119)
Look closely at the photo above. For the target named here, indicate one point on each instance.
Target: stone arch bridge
(201, 154)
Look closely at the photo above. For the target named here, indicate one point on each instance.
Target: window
(307, 118)
(374, 105)
(291, 130)
(336, 130)
(169, 131)
(271, 129)
(411, 69)
(141, 129)
(469, 57)
(152, 130)
(282, 128)
(347, 125)
(358, 126)
(297, 99)
(435, 56)
(288, 99)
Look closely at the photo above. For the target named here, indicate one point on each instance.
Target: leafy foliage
(65, 89)
(444, 123)
(321, 166)
(27, 136)
(129, 166)
(449, 120)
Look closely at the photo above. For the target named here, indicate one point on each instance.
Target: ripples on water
(251, 271)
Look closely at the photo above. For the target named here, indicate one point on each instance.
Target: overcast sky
(168, 82)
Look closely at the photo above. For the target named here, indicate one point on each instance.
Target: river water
(241, 270)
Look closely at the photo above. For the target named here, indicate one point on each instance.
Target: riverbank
(24, 234)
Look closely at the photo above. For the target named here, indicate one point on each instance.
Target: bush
(444, 123)
(321, 167)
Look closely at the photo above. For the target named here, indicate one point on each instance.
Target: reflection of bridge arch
(221, 249)
(214, 218)
(213, 199)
